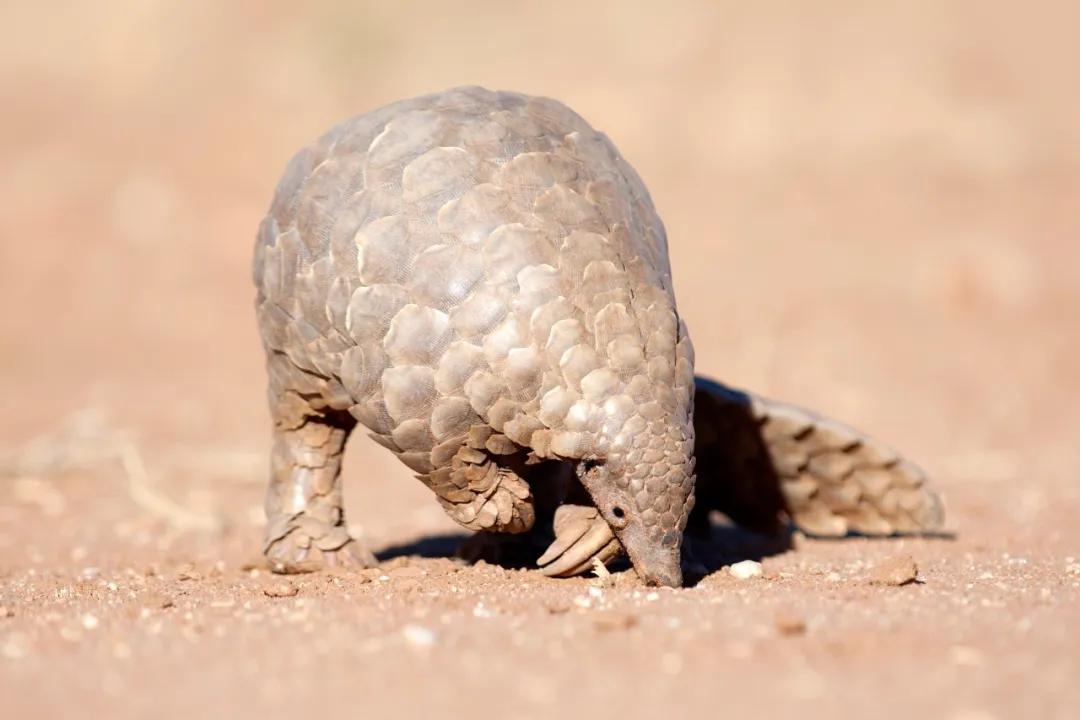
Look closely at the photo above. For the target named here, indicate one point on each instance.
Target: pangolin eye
(591, 464)
(618, 516)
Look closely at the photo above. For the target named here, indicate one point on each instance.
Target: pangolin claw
(581, 536)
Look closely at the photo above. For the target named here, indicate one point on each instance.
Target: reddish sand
(871, 212)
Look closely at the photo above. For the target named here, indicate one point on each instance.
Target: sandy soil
(872, 212)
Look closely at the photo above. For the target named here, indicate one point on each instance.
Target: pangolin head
(628, 426)
(644, 489)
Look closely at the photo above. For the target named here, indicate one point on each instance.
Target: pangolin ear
(735, 474)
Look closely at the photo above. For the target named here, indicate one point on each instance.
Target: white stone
(745, 570)
(418, 636)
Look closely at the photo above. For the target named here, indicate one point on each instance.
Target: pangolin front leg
(306, 522)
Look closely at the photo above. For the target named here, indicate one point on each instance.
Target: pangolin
(481, 280)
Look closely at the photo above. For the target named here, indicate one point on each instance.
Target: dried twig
(147, 497)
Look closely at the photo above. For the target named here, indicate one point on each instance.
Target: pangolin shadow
(723, 544)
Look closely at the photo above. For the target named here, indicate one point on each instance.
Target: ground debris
(604, 578)
(255, 562)
(188, 572)
(156, 601)
(612, 620)
(895, 572)
(557, 607)
(406, 572)
(280, 589)
(789, 622)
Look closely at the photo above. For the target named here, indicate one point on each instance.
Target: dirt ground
(872, 211)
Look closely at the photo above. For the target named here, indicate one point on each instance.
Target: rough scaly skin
(758, 456)
(482, 282)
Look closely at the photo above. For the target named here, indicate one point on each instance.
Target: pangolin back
(476, 258)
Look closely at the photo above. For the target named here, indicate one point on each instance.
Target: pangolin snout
(657, 562)
(663, 571)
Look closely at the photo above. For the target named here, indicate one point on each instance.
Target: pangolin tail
(758, 459)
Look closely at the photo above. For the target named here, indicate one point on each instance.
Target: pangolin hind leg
(306, 522)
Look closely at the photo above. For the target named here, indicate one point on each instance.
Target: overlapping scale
(479, 259)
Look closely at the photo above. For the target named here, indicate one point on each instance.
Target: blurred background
(872, 210)
(872, 207)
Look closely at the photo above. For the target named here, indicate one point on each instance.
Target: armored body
(481, 281)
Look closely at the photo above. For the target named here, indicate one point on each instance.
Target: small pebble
(372, 574)
(280, 589)
(89, 621)
(156, 601)
(557, 608)
(895, 572)
(745, 570)
(407, 571)
(188, 572)
(418, 636)
(790, 623)
(609, 621)
(13, 649)
(408, 586)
